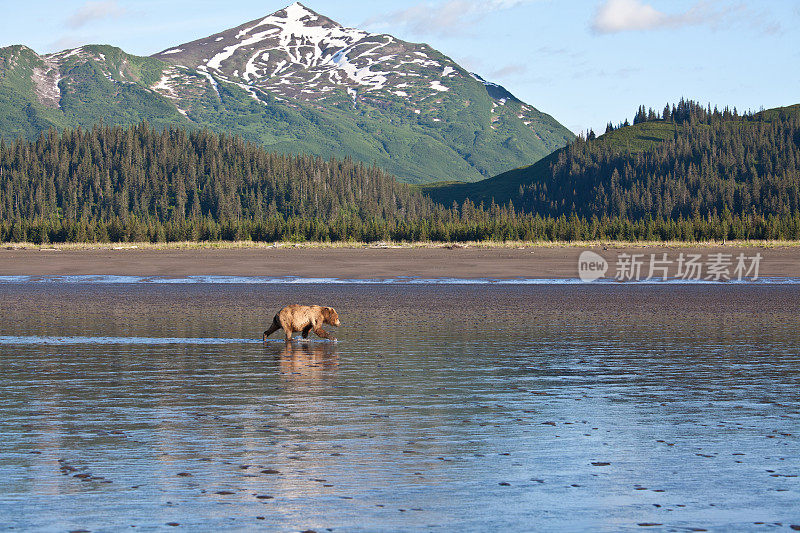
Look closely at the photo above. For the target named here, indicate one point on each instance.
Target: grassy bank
(252, 245)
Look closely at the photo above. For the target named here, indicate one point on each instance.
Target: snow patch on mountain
(204, 72)
(163, 86)
(362, 76)
(250, 70)
(46, 82)
(68, 53)
(216, 61)
(483, 81)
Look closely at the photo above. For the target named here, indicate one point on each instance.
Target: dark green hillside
(142, 184)
(504, 187)
(462, 132)
(696, 162)
(111, 172)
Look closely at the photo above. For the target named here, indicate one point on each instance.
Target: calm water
(444, 408)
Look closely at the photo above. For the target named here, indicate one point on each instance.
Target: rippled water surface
(442, 407)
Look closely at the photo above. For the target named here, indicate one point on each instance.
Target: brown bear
(293, 318)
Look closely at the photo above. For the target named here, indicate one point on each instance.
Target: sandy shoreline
(363, 263)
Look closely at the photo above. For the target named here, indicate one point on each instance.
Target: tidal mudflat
(442, 407)
(525, 261)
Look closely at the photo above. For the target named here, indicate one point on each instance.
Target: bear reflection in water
(308, 359)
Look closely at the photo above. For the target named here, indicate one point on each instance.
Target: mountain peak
(298, 11)
(295, 17)
(296, 53)
(305, 60)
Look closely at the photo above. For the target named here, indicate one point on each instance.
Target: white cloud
(626, 15)
(444, 18)
(614, 16)
(93, 10)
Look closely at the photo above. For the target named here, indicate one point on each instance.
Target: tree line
(716, 162)
(500, 226)
(114, 184)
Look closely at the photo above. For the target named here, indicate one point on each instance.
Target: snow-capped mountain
(297, 53)
(293, 81)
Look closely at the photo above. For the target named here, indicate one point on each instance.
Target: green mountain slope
(661, 168)
(78, 88)
(505, 186)
(402, 106)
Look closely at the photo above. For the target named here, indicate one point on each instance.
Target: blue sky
(586, 62)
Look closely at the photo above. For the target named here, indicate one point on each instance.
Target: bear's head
(330, 316)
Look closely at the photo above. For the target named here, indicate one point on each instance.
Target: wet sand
(358, 263)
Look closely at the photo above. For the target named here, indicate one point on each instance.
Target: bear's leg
(306, 330)
(323, 334)
(286, 324)
(273, 328)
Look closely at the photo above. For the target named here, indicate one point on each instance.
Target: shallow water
(442, 407)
